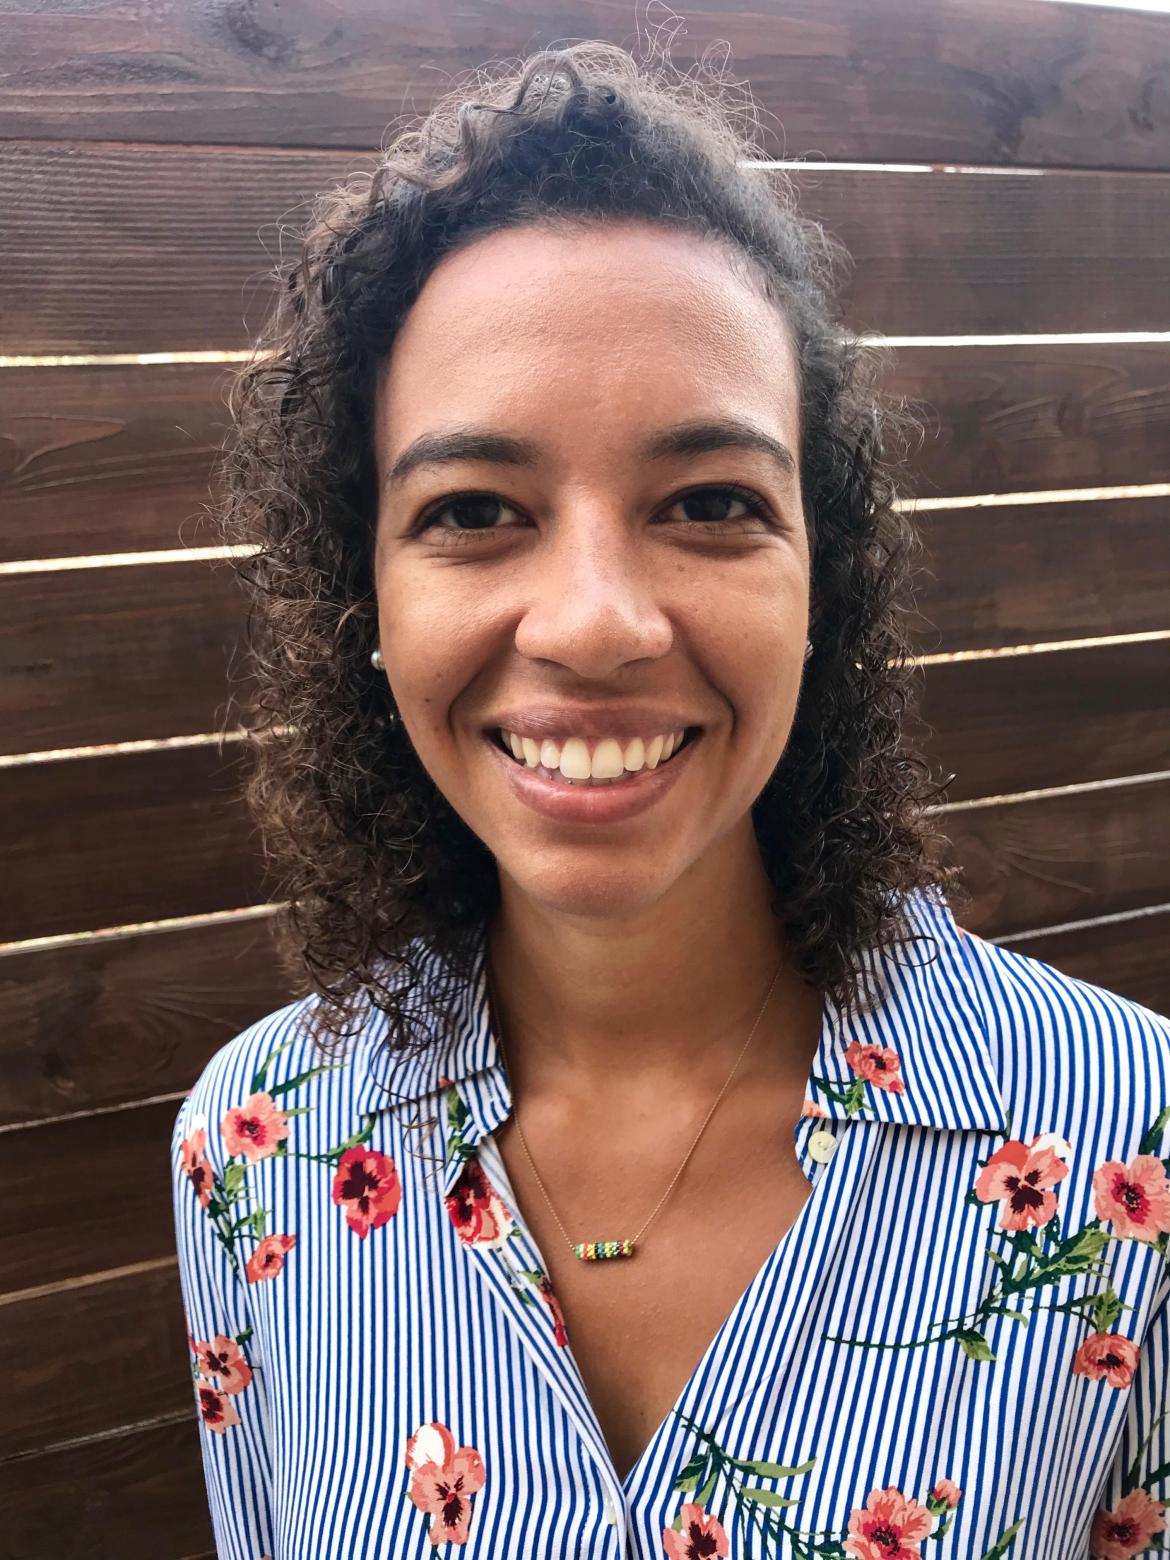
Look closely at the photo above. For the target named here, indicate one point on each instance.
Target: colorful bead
(602, 1250)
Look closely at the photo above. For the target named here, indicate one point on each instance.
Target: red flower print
(254, 1128)
(196, 1166)
(811, 1108)
(946, 1493)
(1107, 1357)
(217, 1410)
(877, 1064)
(476, 1208)
(1135, 1198)
(554, 1305)
(366, 1185)
(1018, 1176)
(443, 1480)
(1127, 1529)
(224, 1358)
(702, 1535)
(268, 1258)
(888, 1526)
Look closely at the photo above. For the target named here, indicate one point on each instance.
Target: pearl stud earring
(376, 659)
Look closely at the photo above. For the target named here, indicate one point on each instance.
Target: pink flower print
(1107, 1357)
(254, 1128)
(268, 1258)
(216, 1409)
(366, 1185)
(702, 1535)
(946, 1493)
(1018, 1176)
(442, 1481)
(477, 1211)
(888, 1527)
(1125, 1531)
(811, 1108)
(1135, 1198)
(546, 1294)
(196, 1166)
(224, 1358)
(877, 1064)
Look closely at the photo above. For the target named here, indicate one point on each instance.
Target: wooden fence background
(1000, 171)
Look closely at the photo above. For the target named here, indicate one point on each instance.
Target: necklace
(604, 1250)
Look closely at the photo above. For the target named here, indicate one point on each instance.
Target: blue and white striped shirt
(964, 1336)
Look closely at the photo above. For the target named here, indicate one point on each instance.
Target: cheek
(432, 648)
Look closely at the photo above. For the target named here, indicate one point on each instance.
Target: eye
(709, 506)
(471, 512)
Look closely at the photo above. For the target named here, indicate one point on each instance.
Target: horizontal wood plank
(1126, 955)
(93, 1193)
(104, 1020)
(971, 81)
(119, 458)
(930, 252)
(139, 1495)
(123, 838)
(84, 1359)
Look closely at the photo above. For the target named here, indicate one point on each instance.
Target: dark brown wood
(116, 839)
(108, 1020)
(120, 458)
(930, 252)
(1035, 864)
(85, 1359)
(118, 654)
(1019, 723)
(1011, 419)
(109, 458)
(1041, 573)
(971, 81)
(137, 1495)
(1128, 955)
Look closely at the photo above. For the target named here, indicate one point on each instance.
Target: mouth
(582, 765)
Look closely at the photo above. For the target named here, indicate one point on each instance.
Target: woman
(656, 1167)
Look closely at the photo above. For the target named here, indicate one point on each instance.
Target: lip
(593, 804)
(559, 722)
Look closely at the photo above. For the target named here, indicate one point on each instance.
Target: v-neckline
(790, 1242)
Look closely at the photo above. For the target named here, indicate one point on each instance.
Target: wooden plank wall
(999, 169)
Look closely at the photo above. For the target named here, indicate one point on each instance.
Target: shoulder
(1098, 1059)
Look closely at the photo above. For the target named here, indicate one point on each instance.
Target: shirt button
(610, 1514)
(822, 1146)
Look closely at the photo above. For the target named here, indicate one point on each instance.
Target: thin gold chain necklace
(603, 1250)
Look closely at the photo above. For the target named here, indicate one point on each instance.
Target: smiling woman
(579, 595)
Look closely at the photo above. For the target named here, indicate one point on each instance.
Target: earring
(808, 649)
(376, 659)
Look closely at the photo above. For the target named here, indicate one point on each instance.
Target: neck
(584, 1001)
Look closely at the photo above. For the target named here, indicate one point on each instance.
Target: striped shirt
(964, 1336)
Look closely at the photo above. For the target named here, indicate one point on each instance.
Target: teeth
(608, 762)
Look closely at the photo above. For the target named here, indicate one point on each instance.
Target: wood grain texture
(85, 1360)
(125, 838)
(100, 459)
(106, 1020)
(138, 1495)
(972, 81)
(929, 253)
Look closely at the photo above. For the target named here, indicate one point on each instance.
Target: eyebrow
(698, 437)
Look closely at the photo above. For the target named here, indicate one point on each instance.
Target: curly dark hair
(369, 854)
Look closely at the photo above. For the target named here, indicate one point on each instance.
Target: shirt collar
(921, 1055)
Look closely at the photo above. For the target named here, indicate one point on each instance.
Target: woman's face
(576, 573)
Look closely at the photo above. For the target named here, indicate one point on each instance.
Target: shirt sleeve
(229, 1381)
(1136, 1496)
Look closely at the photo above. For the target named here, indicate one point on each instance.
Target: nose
(594, 602)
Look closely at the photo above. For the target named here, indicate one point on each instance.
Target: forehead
(610, 326)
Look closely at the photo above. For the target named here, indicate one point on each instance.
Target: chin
(579, 892)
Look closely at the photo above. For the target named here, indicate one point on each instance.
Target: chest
(640, 1326)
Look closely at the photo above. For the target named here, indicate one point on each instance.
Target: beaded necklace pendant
(603, 1250)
